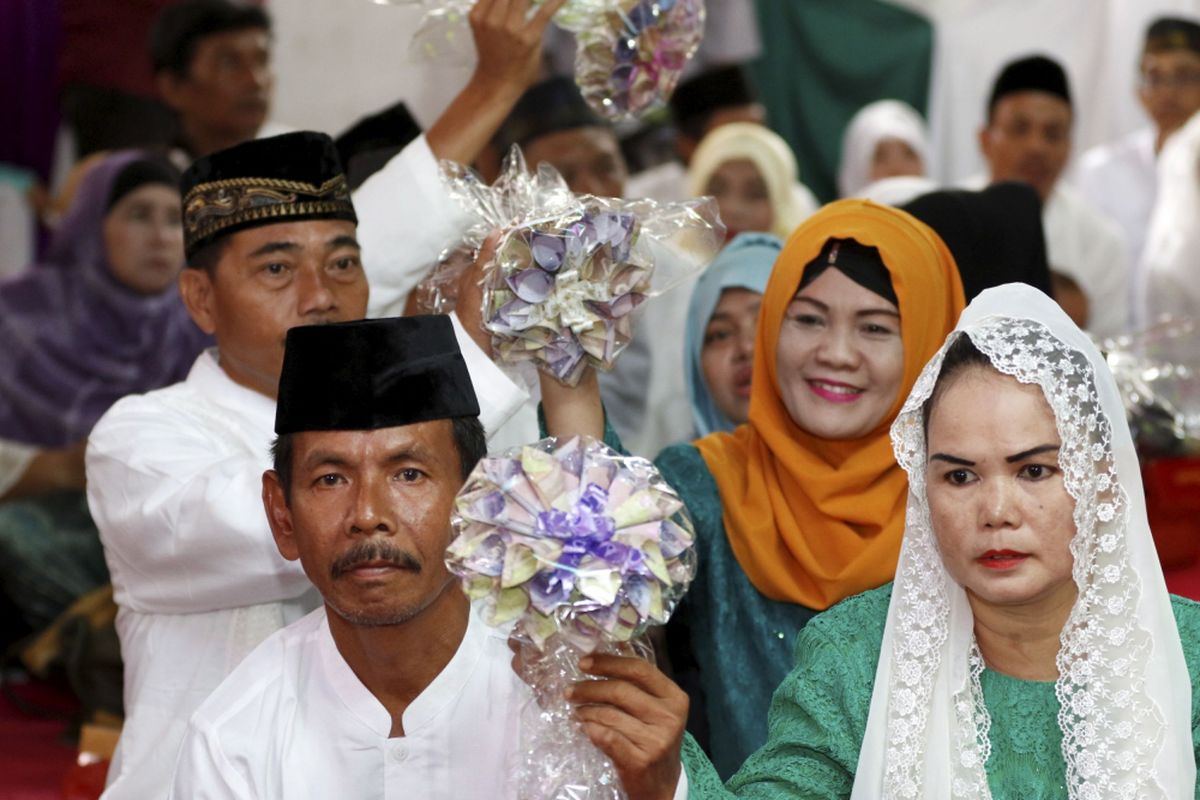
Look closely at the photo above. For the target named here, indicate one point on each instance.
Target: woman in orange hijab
(804, 504)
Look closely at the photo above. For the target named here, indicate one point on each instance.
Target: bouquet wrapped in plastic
(629, 53)
(581, 550)
(1158, 372)
(568, 270)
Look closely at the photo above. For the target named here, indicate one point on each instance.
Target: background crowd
(877, 169)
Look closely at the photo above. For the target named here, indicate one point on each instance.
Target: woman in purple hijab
(100, 318)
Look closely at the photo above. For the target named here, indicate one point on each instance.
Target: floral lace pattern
(1112, 729)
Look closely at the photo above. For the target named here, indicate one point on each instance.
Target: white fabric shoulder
(264, 676)
(1131, 146)
(265, 683)
(173, 484)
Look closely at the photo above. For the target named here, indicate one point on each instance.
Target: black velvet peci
(370, 374)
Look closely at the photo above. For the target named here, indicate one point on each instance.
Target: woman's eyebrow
(1033, 451)
(816, 303)
(949, 459)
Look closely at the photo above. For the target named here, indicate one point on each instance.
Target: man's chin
(375, 618)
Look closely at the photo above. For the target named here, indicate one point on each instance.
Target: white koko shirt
(174, 485)
(293, 721)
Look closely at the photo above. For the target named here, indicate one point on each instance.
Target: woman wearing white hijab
(1027, 647)
(752, 173)
(885, 139)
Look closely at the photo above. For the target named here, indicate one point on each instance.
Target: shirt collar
(215, 385)
(425, 707)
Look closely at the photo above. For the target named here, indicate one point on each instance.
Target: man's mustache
(373, 551)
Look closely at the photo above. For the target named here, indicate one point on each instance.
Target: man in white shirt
(271, 244)
(1120, 178)
(394, 689)
(1027, 138)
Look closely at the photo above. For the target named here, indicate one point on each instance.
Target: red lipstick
(1001, 559)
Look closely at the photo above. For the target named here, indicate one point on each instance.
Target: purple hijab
(73, 340)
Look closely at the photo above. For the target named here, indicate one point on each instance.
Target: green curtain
(822, 60)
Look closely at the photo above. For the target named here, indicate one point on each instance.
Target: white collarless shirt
(293, 721)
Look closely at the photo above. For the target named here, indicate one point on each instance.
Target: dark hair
(469, 441)
(696, 100)
(208, 256)
(179, 27)
(960, 356)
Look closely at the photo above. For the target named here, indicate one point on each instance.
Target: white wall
(338, 60)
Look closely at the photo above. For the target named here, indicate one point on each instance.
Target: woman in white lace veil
(1123, 686)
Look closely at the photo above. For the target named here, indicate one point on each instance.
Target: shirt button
(399, 753)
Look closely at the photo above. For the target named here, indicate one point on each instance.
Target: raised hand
(509, 42)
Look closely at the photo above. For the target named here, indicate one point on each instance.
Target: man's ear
(196, 290)
(985, 143)
(279, 515)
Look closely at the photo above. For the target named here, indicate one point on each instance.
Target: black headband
(858, 262)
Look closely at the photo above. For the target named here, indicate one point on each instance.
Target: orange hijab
(812, 521)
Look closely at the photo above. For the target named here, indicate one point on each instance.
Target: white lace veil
(1123, 686)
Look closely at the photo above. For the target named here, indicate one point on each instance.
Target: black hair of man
(178, 29)
(469, 441)
(208, 256)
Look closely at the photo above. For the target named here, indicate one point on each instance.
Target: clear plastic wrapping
(629, 53)
(580, 550)
(1158, 372)
(568, 270)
